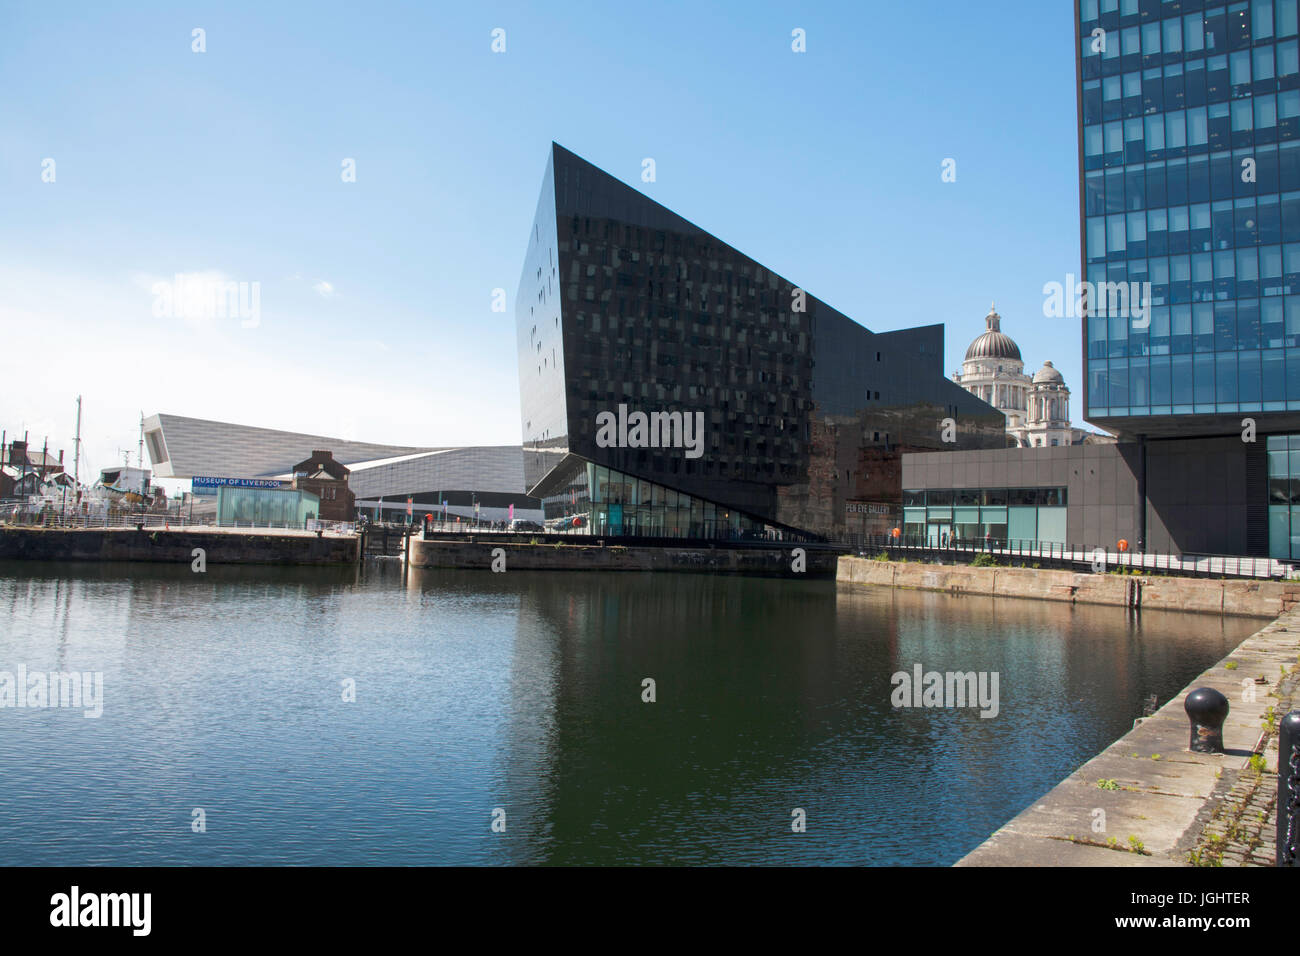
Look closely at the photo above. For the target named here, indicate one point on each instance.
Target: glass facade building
(1284, 497)
(265, 507)
(606, 502)
(625, 307)
(1189, 116)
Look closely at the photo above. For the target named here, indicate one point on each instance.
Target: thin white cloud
(367, 345)
(124, 360)
(324, 289)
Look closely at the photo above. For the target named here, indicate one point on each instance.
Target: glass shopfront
(1284, 497)
(997, 517)
(608, 503)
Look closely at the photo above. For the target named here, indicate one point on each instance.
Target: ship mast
(76, 466)
(76, 451)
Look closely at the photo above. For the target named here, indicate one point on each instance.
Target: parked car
(522, 524)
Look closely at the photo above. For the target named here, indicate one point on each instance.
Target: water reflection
(524, 691)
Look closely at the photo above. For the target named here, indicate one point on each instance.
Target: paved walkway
(1148, 801)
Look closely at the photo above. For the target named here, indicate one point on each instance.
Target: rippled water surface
(523, 691)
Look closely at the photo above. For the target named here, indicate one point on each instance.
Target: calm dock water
(475, 692)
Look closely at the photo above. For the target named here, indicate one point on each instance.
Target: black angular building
(672, 386)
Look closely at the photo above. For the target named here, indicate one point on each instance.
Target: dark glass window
(1160, 393)
(1024, 496)
(1053, 497)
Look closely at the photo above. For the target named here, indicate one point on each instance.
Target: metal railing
(629, 533)
(26, 518)
(18, 514)
(1043, 554)
(1069, 556)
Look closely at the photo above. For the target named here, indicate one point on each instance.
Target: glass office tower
(1189, 147)
(625, 309)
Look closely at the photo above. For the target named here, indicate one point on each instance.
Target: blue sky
(375, 295)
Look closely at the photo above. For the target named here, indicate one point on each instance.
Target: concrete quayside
(1246, 597)
(501, 552)
(180, 545)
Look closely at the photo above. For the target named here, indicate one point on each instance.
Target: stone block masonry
(1235, 597)
(1241, 824)
(578, 555)
(220, 546)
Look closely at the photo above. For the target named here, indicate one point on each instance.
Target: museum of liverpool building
(671, 386)
(1189, 154)
(388, 481)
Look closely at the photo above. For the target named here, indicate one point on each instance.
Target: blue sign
(205, 485)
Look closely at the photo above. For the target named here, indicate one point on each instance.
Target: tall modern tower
(1189, 145)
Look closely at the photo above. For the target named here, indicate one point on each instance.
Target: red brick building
(327, 479)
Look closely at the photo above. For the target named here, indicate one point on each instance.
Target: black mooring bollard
(1288, 790)
(1207, 709)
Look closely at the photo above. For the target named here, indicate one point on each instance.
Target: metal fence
(19, 514)
(630, 533)
(16, 516)
(1072, 557)
(1036, 553)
